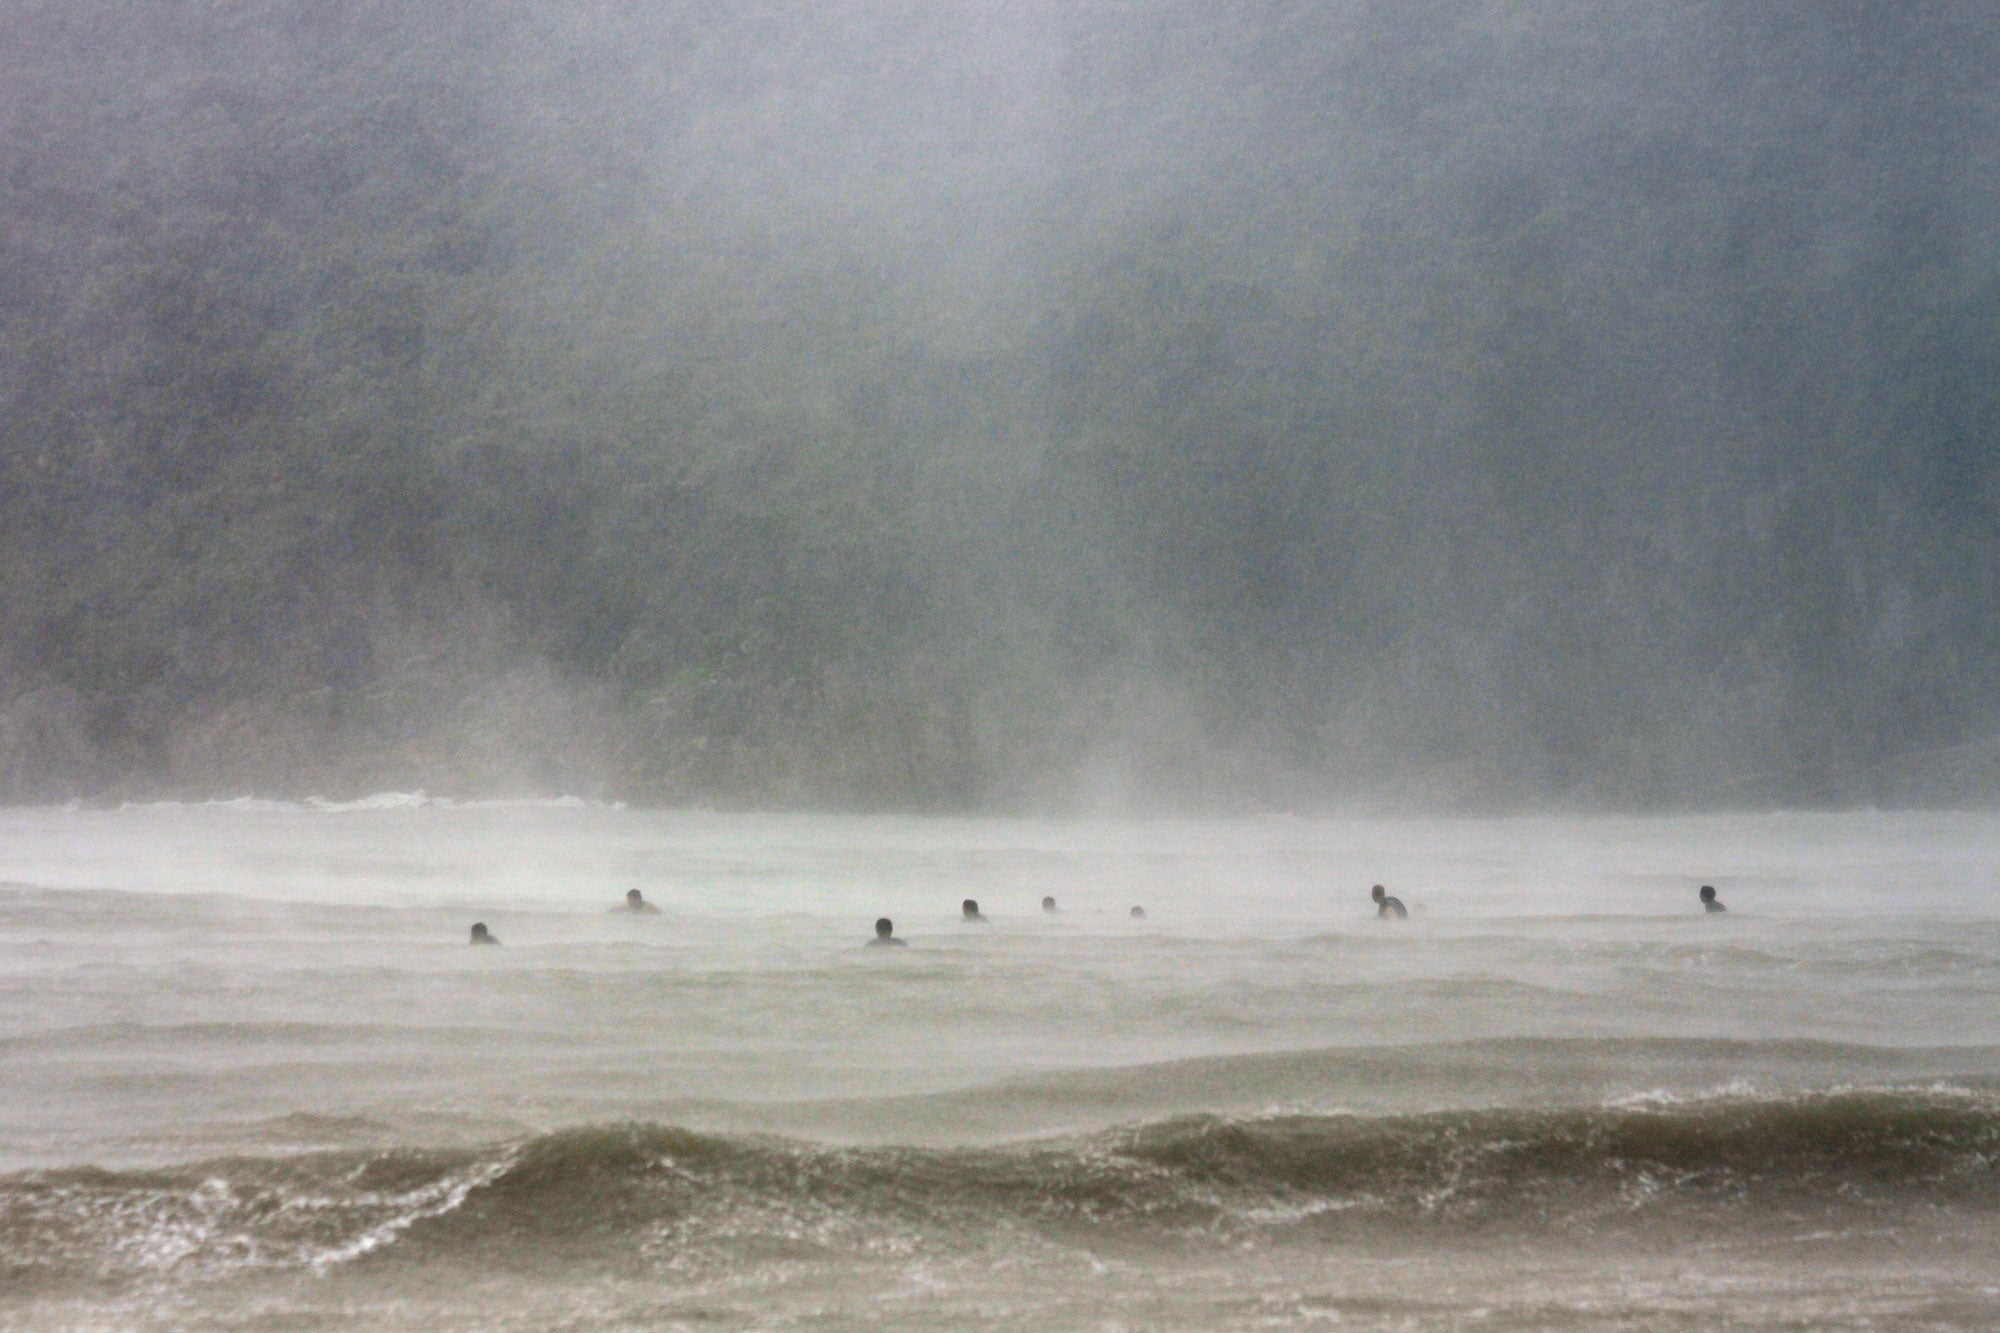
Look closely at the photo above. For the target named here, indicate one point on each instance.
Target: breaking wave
(659, 1196)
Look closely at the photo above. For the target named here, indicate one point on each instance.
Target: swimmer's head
(1708, 893)
(970, 907)
(1378, 893)
(479, 935)
(634, 898)
(1049, 906)
(1138, 914)
(884, 928)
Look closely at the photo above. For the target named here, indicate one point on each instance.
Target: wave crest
(663, 1196)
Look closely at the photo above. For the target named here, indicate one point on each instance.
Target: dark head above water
(971, 909)
(1049, 906)
(635, 901)
(1708, 899)
(1387, 906)
(480, 935)
(1138, 914)
(885, 933)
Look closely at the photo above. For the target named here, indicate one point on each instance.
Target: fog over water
(1015, 407)
(820, 462)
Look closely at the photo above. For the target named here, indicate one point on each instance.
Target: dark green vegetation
(956, 405)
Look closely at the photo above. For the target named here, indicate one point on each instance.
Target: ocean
(252, 1076)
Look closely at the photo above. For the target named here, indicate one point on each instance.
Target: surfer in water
(1049, 906)
(635, 901)
(970, 907)
(1388, 907)
(481, 935)
(1138, 913)
(1708, 902)
(885, 935)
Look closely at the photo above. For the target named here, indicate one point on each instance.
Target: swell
(1514, 1072)
(128, 1036)
(650, 1196)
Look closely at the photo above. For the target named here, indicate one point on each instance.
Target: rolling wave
(646, 1196)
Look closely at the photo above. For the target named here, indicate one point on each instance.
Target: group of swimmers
(1387, 906)
(885, 929)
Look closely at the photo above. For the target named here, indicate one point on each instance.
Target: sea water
(253, 1076)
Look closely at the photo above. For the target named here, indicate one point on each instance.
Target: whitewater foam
(635, 1195)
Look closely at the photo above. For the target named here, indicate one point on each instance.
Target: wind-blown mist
(1021, 406)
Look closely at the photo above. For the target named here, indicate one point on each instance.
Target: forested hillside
(955, 406)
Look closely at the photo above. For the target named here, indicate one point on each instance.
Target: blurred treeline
(961, 405)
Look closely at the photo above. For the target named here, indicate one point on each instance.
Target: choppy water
(252, 1076)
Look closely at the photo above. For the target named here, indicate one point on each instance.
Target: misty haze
(1183, 664)
(1021, 407)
